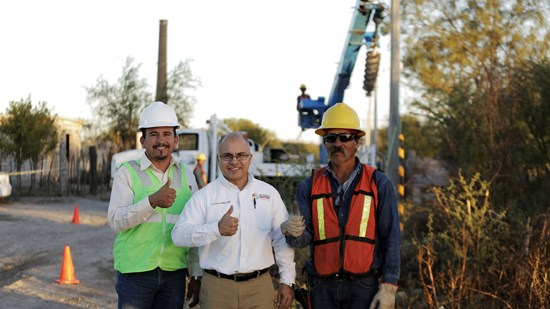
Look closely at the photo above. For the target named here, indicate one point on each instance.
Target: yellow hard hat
(340, 116)
(303, 86)
(201, 157)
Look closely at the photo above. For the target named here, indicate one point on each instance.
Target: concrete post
(161, 73)
(394, 129)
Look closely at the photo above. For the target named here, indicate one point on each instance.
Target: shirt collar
(232, 186)
(353, 174)
(146, 163)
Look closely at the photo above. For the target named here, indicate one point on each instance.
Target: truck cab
(191, 143)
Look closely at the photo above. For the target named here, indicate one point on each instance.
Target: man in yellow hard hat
(200, 176)
(148, 197)
(351, 223)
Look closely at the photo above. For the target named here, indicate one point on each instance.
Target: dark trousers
(327, 293)
(151, 289)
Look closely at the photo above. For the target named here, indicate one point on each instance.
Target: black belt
(346, 276)
(238, 277)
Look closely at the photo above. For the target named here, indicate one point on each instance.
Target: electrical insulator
(371, 71)
(379, 15)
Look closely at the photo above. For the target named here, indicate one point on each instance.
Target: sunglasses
(343, 137)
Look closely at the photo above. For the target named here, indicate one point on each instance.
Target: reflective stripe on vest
(149, 245)
(329, 255)
(321, 217)
(146, 181)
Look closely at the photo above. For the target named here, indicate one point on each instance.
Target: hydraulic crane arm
(311, 111)
(354, 41)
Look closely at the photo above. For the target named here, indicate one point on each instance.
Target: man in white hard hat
(351, 223)
(147, 198)
(200, 176)
(235, 223)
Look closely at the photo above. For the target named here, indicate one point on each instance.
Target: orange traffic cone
(67, 269)
(76, 218)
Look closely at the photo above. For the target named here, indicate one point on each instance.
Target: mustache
(336, 149)
(161, 145)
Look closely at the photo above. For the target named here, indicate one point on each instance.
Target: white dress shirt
(124, 214)
(260, 211)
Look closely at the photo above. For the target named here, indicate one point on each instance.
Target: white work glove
(295, 225)
(385, 298)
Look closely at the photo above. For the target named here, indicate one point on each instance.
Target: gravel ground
(34, 233)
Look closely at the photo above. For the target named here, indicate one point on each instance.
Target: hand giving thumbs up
(164, 197)
(295, 225)
(228, 225)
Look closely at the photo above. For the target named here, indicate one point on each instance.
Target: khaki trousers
(220, 293)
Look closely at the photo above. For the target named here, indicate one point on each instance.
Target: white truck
(192, 142)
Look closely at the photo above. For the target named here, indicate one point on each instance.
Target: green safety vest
(149, 245)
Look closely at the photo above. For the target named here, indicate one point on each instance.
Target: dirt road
(34, 232)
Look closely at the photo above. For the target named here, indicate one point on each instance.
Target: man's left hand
(284, 296)
(193, 291)
(385, 298)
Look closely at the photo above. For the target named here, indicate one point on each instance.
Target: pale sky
(252, 56)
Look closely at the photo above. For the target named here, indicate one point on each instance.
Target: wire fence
(84, 171)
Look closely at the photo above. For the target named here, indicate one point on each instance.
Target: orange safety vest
(203, 174)
(352, 250)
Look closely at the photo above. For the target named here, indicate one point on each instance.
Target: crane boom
(354, 41)
(311, 111)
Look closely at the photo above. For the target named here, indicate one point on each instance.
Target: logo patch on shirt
(190, 188)
(260, 196)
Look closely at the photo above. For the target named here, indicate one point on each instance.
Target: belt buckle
(339, 278)
(238, 276)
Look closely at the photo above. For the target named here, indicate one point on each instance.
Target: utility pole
(161, 73)
(394, 129)
(375, 135)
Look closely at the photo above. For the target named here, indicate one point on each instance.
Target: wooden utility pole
(161, 73)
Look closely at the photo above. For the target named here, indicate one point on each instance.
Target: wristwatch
(198, 278)
(291, 285)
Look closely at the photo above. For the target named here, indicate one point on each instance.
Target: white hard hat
(158, 114)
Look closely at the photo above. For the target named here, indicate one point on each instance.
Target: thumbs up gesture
(164, 197)
(294, 225)
(228, 225)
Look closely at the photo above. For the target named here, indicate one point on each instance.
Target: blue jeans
(326, 293)
(151, 289)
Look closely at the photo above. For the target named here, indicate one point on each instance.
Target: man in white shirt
(236, 221)
(147, 198)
